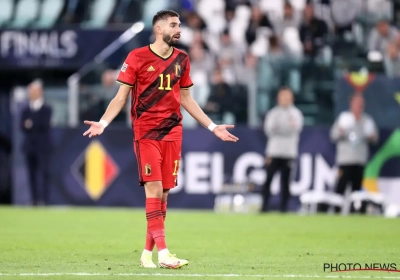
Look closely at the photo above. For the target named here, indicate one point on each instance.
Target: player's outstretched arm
(197, 113)
(113, 109)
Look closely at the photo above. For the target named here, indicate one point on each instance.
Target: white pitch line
(199, 275)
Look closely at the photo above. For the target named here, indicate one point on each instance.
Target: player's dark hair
(163, 15)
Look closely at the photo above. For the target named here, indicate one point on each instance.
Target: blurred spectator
(248, 72)
(200, 67)
(392, 60)
(374, 10)
(282, 126)
(37, 145)
(276, 65)
(192, 30)
(352, 132)
(97, 97)
(344, 14)
(194, 21)
(339, 15)
(277, 54)
(381, 35)
(322, 11)
(230, 58)
(313, 32)
(199, 40)
(291, 18)
(221, 97)
(258, 30)
(109, 86)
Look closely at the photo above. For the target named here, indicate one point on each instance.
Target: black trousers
(38, 172)
(284, 165)
(352, 174)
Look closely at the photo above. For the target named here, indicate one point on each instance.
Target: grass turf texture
(108, 242)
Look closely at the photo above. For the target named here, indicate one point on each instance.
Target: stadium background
(77, 47)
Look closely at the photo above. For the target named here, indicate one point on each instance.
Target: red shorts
(158, 161)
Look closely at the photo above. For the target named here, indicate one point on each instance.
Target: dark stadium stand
(53, 13)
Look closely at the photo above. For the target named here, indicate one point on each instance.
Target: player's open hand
(94, 130)
(222, 133)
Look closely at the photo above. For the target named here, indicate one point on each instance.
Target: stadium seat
(370, 196)
(213, 14)
(274, 9)
(377, 199)
(298, 4)
(100, 13)
(57, 98)
(239, 24)
(291, 39)
(26, 12)
(310, 200)
(150, 8)
(128, 11)
(6, 11)
(240, 202)
(49, 13)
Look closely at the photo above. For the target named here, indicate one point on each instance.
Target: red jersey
(156, 82)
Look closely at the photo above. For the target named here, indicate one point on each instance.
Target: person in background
(283, 125)
(391, 60)
(352, 132)
(313, 32)
(35, 125)
(221, 98)
(381, 36)
(5, 168)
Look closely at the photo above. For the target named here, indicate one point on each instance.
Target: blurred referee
(282, 126)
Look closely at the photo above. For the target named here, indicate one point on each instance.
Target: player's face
(171, 31)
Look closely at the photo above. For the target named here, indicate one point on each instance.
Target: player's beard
(169, 40)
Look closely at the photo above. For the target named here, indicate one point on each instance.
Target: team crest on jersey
(147, 169)
(177, 70)
(124, 66)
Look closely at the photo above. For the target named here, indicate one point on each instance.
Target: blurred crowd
(238, 46)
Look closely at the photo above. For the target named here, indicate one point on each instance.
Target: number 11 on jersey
(161, 87)
(176, 166)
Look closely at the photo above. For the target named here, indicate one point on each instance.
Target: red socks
(155, 224)
(149, 241)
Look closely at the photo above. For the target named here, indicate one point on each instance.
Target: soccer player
(158, 78)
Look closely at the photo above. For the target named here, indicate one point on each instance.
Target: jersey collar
(160, 56)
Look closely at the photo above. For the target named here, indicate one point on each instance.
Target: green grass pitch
(106, 243)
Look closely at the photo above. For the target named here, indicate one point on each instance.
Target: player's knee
(154, 189)
(165, 194)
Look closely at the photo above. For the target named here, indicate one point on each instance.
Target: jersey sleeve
(186, 81)
(127, 74)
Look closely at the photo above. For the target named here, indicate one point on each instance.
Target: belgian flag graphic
(359, 81)
(98, 170)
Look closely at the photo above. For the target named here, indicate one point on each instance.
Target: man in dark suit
(35, 124)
